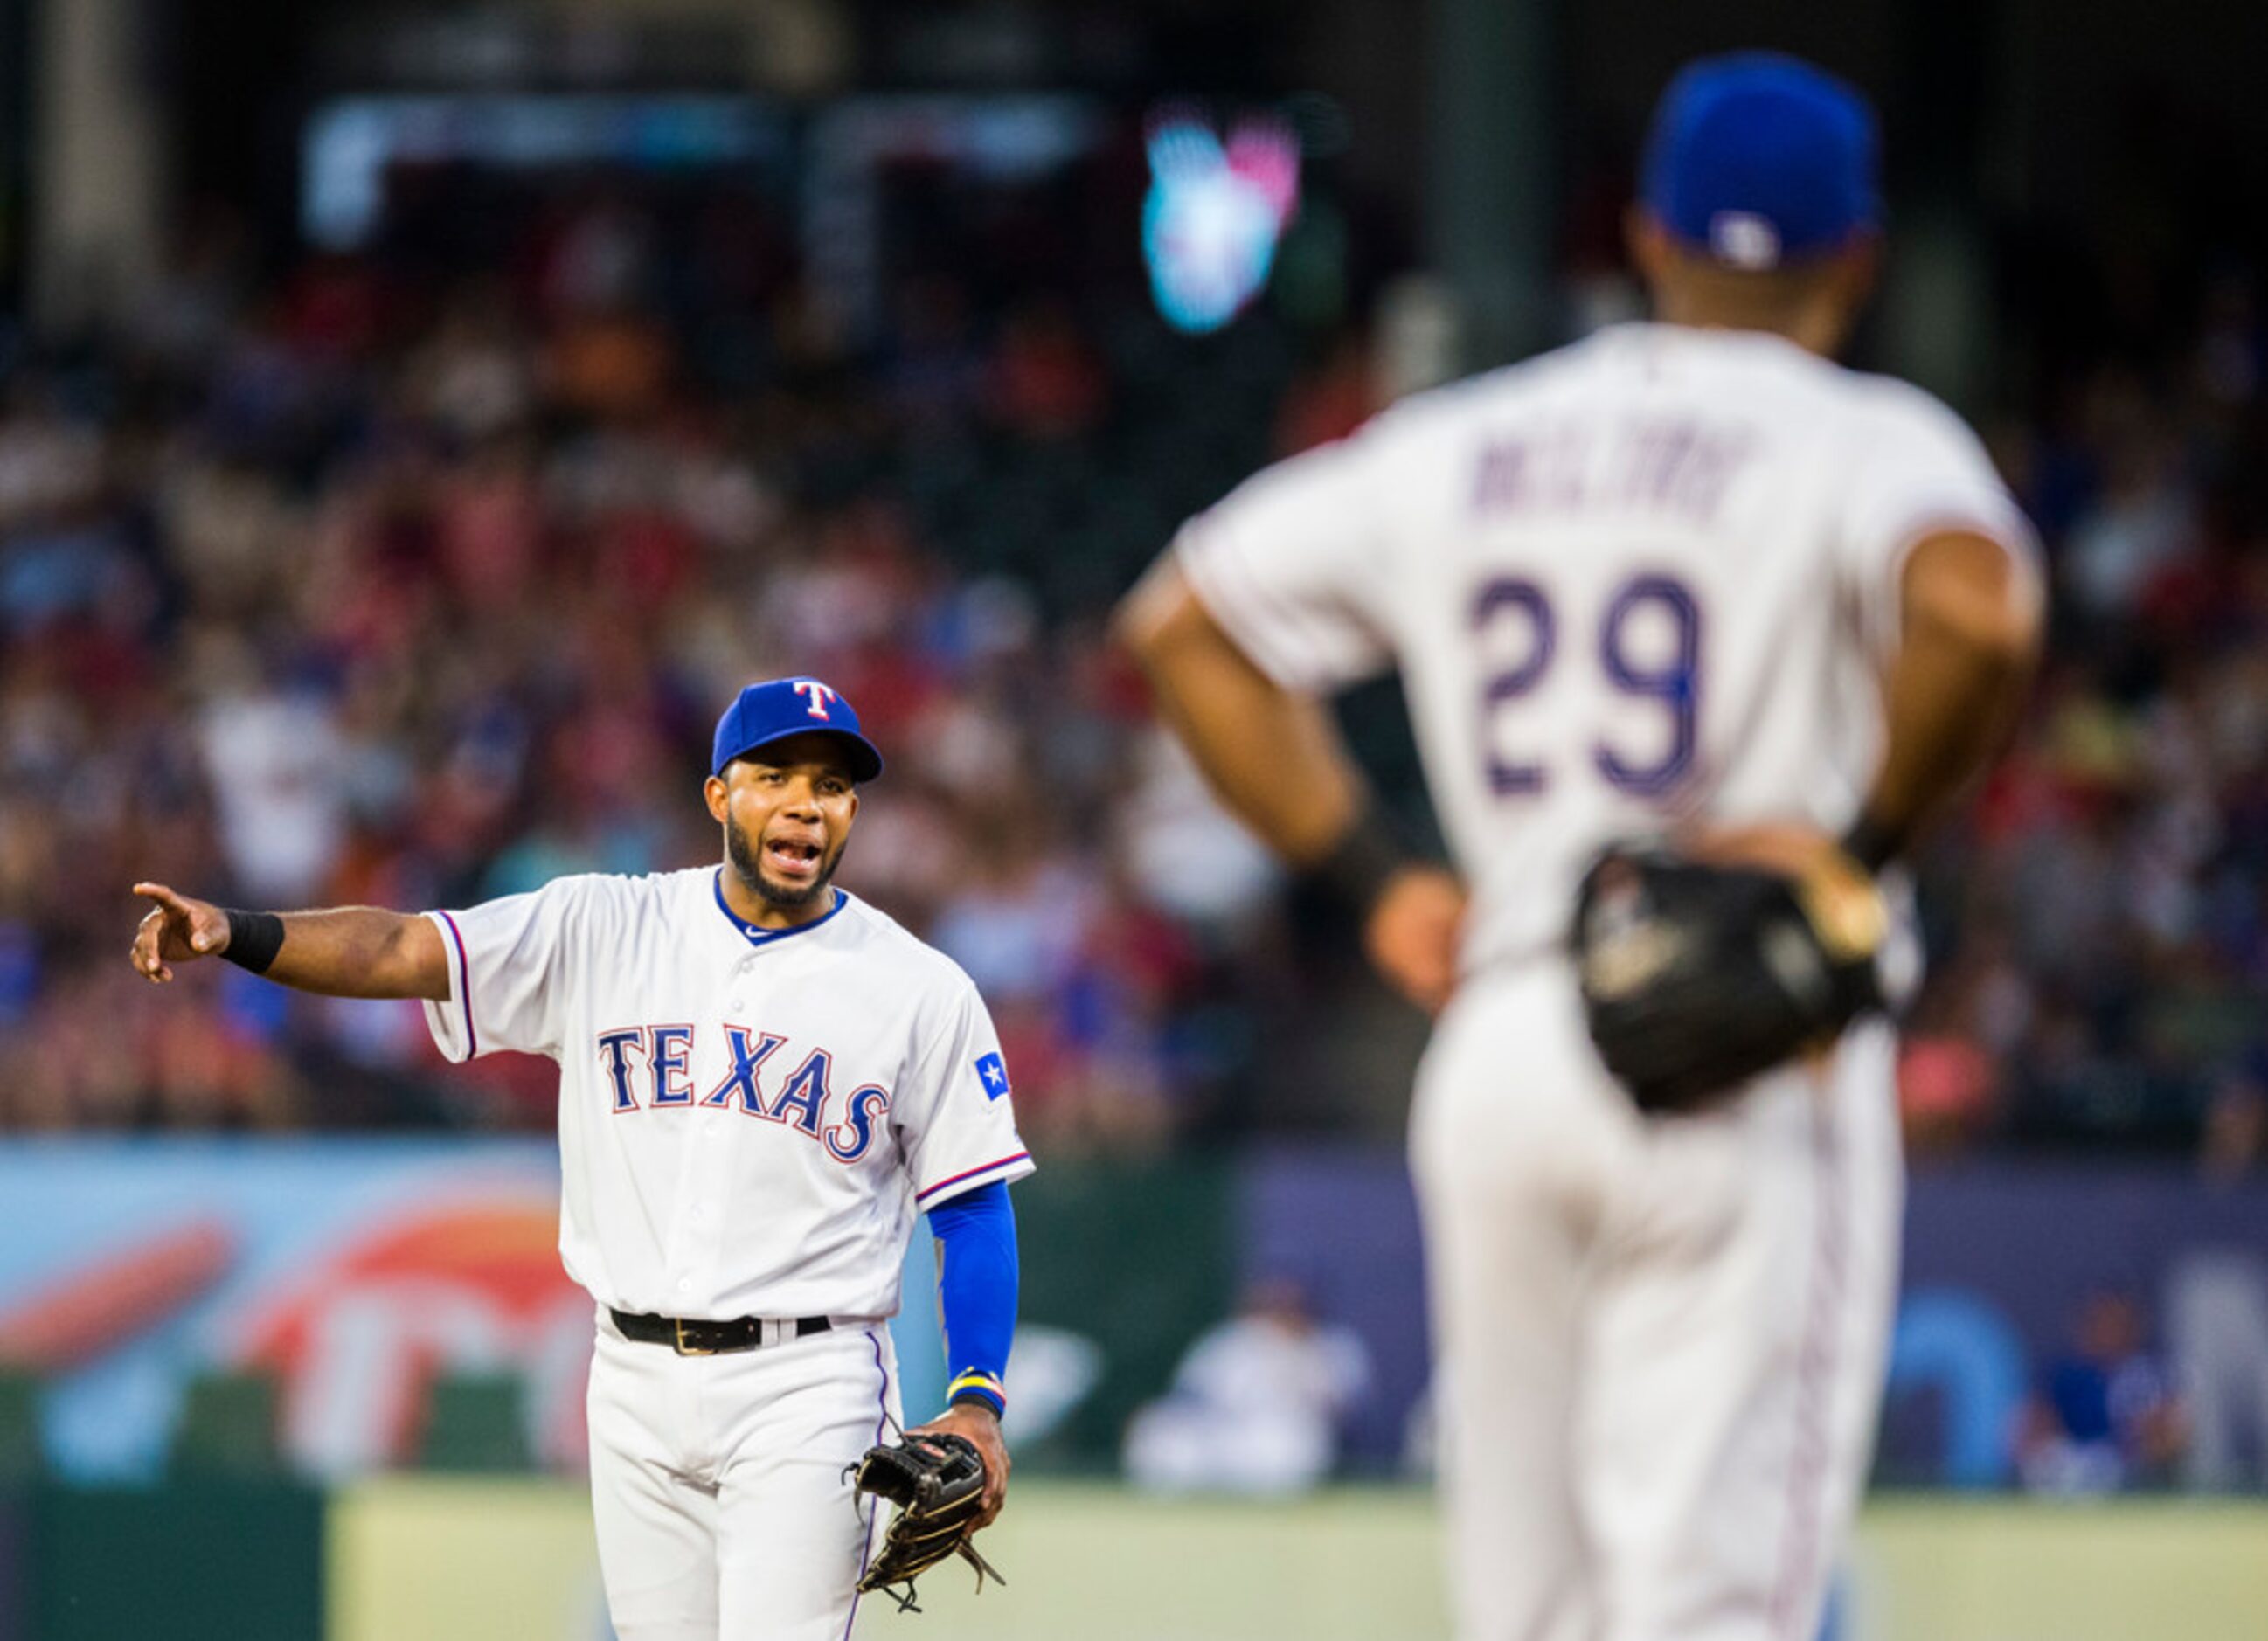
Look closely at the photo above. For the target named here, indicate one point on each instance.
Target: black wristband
(254, 938)
(1368, 853)
(1871, 844)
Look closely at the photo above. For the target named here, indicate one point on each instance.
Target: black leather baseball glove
(1696, 976)
(938, 1484)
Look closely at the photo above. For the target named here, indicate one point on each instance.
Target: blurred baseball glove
(1696, 976)
(938, 1484)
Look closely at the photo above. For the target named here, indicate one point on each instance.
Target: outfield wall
(357, 1273)
(1998, 1258)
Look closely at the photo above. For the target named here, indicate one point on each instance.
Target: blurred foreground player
(762, 1080)
(1686, 580)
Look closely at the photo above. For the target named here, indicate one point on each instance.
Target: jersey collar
(755, 936)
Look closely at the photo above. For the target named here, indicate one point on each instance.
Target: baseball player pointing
(1687, 581)
(762, 1080)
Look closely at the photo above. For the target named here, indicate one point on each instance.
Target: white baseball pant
(1660, 1344)
(717, 1483)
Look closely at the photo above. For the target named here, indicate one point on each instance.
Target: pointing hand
(176, 930)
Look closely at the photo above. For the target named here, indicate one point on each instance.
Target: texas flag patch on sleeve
(994, 1075)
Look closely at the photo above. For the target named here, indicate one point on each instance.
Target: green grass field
(445, 1559)
(1102, 1565)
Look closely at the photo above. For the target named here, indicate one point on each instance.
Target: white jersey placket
(705, 1184)
(713, 1200)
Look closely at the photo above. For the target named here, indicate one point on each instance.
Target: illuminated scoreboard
(1215, 213)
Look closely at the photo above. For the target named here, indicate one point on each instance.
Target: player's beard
(749, 866)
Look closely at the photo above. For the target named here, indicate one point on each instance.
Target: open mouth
(793, 858)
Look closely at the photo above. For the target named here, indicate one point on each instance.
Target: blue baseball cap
(781, 707)
(1758, 159)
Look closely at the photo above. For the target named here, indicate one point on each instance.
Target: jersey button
(685, 1285)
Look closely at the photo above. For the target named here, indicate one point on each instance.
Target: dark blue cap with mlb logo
(781, 707)
(1759, 159)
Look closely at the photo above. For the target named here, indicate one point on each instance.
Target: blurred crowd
(379, 584)
(411, 581)
(2100, 917)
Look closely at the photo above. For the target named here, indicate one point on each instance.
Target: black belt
(688, 1337)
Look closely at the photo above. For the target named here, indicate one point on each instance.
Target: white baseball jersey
(748, 1120)
(1653, 572)
(1650, 576)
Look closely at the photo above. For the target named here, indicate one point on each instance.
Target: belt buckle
(683, 1348)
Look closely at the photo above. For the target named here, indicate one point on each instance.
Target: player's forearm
(1968, 636)
(977, 1279)
(361, 952)
(1275, 759)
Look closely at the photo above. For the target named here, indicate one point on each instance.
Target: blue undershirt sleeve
(976, 1235)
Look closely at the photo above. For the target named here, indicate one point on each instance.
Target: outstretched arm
(344, 952)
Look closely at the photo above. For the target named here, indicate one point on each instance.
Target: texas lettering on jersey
(649, 1068)
(748, 1123)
